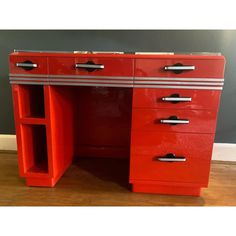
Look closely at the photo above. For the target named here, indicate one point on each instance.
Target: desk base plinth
(164, 189)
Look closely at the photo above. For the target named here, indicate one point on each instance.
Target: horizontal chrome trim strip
(74, 80)
(187, 83)
(26, 79)
(73, 84)
(93, 81)
(91, 84)
(115, 85)
(115, 81)
(177, 87)
(179, 79)
(118, 77)
(29, 82)
(91, 77)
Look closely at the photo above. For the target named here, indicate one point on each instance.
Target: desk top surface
(113, 54)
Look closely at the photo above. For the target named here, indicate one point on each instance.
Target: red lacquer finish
(152, 98)
(200, 121)
(203, 68)
(61, 66)
(63, 112)
(67, 66)
(147, 147)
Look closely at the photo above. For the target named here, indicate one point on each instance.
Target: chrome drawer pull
(170, 157)
(21, 64)
(173, 120)
(26, 65)
(177, 99)
(89, 66)
(179, 68)
(171, 68)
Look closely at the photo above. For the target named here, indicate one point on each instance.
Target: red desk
(159, 110)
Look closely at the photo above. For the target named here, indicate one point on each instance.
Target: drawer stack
(173, 124)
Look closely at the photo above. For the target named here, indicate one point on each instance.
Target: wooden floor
(104, 182)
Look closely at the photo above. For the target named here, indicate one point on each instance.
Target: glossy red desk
(159, 110)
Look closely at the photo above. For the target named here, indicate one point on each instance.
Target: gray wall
(157, 40)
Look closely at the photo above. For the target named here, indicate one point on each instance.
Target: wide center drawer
(172, 120)
(177, 157)
(86, 66)
(176, 98)
(186, 68)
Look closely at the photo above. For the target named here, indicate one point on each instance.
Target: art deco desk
(158, 109)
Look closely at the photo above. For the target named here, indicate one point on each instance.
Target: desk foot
(41, 182)
(163, 189)
(46, 181)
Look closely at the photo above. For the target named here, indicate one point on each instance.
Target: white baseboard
(224, 152)
(221, 151)
(8, 142)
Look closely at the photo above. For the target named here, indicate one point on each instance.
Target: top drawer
(90, 66)
(28, 65)
(179, 68)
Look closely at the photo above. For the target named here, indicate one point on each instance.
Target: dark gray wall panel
(126, 40)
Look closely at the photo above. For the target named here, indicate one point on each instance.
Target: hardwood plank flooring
(104, 182)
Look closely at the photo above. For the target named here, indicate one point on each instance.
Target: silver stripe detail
(97, 85)
(91, 77)
(31, 78)
(179, 79)
(118, 77)
(116, 85)
(74, 80)
(177, 87)
(74, 84)
(110, 79)
(187, 83)
(29, 82)
(92, 81)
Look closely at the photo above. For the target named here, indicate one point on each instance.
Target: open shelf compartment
(31, 101)
(35, 153)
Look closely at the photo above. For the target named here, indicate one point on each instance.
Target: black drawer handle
(89, 66)
(27, 65)
(175, 98)
(174, 120)
(179, 68)
(170, 157)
